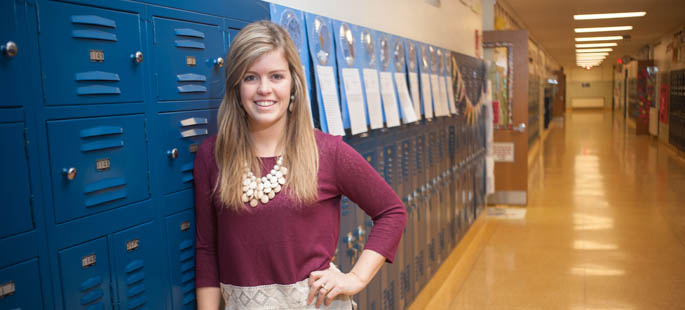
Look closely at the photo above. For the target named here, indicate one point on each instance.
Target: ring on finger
(323, 286)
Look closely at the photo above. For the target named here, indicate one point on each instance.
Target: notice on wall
(426, 92)
(373, 98)
(392, 115)
(329, 93)
(355, 100)
(443, 94)
(450, 96)
(503, 152)
(415, 96)
(405, 99)
(437, 101)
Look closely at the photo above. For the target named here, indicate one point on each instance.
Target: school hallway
(604, 228)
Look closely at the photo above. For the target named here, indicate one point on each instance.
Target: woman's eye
(249, 78)
(278, 76)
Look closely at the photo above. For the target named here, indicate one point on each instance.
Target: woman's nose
(264, 87)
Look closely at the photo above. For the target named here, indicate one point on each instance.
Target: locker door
(180, 230)
(97, 164)
(189, 59)
(391, 282)
(20, 286)
(94, 55)
(371, 297)
(348, 247)
(85, 276)
(183, 132)
(12, 55)
(14, 182)
(135, 255)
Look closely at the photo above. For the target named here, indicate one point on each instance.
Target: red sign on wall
(663, 103)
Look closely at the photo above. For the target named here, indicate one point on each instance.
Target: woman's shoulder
(326, 141)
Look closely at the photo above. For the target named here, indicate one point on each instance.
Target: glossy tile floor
(604, 227)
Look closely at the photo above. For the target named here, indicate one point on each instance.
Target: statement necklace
(263, 189)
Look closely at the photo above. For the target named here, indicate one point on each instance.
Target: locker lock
(10, 49)
(70, 173)
(173, 153)
(137, 57)
(219, 62)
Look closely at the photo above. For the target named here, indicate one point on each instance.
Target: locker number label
(191, 61)
(97, 56)
(103, 164)
(7, 289)
(193, 147)
(88, 261)
(185, 226)
(132, 245)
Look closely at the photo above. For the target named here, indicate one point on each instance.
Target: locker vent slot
(92, 296)
(189, 298)
(137, 303)
(193, 133)
(135, 290)
(97, 90)
(186, 257)
(101, 131)
(104, 184)
(134, 265)
(93, 20)
(184, 89)
(193, 121)
(189, 44)
(187, 277)
(135, 278)
(189, 287)
(91, 283)
(186, 244)
(101, 145)
(94, 34)
(97, 76)
(191, 77)
(187, 167)
(105, 198)
(187, 32)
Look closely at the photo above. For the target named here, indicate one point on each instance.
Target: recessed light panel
(594, 50)
(608, 15)
(602, 29)
(595, 45)
(590, 39)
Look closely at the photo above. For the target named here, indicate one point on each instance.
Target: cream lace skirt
(277, 296)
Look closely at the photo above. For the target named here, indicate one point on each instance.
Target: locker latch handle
(173, 153)
(219, 62)
(10, 49)
(137, 57)
(69, 173)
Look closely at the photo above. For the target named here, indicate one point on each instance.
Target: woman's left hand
(327, 284)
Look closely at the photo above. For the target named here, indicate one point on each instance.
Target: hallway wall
(600, 80)
(663, 59)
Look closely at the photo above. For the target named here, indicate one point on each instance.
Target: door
(508, 53)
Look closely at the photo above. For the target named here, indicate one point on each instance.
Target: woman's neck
(267, 140)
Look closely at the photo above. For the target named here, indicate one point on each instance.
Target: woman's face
(265, 91)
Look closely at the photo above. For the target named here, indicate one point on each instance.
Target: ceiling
(551, 24)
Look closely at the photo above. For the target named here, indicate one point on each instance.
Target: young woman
(268, 188)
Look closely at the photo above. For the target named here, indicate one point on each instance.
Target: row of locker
(677, 110)
(104, 106)
(438, 169)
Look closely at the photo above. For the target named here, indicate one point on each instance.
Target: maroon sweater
(281, 243)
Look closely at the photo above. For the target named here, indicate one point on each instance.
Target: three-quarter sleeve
(360, 182)
(206, 266)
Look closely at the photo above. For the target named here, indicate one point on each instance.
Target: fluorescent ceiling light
(592, 54)
(590, 39)
(602, 29)
(595, 45)
(594, 50)
(609, 15)
(596, 58)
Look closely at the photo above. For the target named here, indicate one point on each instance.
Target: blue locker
(97, 164)
(13, 57)
(85, 276)
(180, 237)
(99, 55)
(15, 189)
(189, 57)
(371, 297)
(20, 286)
(179, 136)
(136, 254)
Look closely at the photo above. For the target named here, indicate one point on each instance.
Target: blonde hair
(233, 143)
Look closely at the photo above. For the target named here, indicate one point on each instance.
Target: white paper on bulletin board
(503, 152)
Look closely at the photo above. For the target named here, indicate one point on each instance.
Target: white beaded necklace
(265, 188)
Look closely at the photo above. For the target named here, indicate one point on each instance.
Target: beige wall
(601, 84)
(450, 26)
